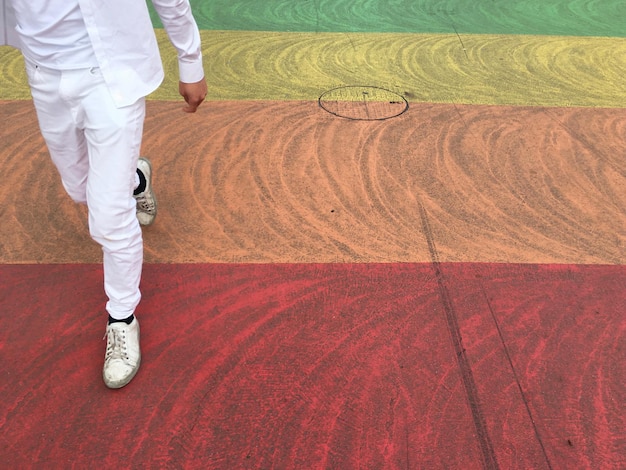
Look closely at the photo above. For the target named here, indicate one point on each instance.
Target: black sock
(128, 320)
(142, 183)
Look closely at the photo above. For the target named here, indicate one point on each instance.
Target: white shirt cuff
(190, 72)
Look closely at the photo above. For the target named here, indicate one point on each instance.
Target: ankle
(142, 183)
(127, 320)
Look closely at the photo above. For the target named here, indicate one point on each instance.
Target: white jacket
(8, 36)
(125, 45)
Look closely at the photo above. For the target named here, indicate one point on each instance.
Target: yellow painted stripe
(439, 68)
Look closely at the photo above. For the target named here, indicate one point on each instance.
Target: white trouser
(95, 146)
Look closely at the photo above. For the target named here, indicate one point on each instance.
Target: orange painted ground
(288, 182)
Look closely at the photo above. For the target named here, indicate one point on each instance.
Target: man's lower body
(95, 147)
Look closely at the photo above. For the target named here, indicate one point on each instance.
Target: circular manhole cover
(363, 103)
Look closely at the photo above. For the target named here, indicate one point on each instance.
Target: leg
(64, 139)
(96, 147)
(114, 139)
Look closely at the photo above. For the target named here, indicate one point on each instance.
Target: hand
(194, 94)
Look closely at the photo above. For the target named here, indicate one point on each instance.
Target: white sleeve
(184, 35)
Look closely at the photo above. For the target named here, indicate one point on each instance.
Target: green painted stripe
(473, 69)
(535, 17)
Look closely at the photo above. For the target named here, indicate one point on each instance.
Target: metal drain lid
(363, 103)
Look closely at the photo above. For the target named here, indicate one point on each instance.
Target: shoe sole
(126, 381)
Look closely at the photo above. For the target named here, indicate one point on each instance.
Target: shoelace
(143, 203)
(116, 344)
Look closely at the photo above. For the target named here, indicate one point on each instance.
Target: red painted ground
(320, 366)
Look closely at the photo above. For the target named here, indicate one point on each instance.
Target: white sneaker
(123, 355)
(146, 201)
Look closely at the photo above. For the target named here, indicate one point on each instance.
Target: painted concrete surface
(438, 288)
